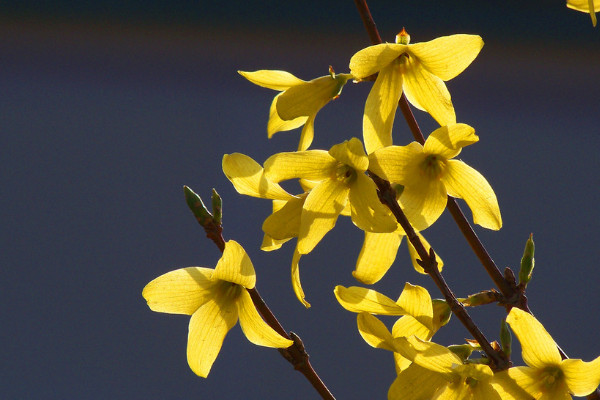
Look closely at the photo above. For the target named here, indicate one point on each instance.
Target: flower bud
(195, 204)
(217, 207)
(403, 37)
(527, 262)
(505, 338)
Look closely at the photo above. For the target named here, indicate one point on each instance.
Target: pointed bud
(527, 262)
(197, 206)
(505, 338)
(217, 207)
(481, 298)
(462, 350)
(403, 37)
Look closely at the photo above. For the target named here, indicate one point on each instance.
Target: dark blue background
(108, 108)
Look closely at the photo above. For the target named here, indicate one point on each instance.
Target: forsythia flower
(299, 101)
(587, 6)
(547, 376)
(341, 178)
(215, 298)
(429, 174)
(419, 70)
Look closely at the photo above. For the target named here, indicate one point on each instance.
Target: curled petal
(235, 266)
(351, 153)
(296, 285)
(427, 92)
(417, 303)
(255, 328)
(409, 326)
(374, 58)
(428, 355)
(247, 177)
(466, 183)
(357, 299)
(581, 377)
(207, 330)
(276, 124)
(448, 141)
(285, 222)
(447, 56)
(272, 79)
(376, 256)
(374, 332)
(181, 291)
(311, 164)
(308, 133)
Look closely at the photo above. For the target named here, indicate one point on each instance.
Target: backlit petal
(308, 133)
(380, 108)
(376, 256)
(424, 202)
(311, 164)
(255, 328)
(417, 302)
(247, 177)
(272, 79)
(508, 388)
(447, 56)
(374, 58)
(207, 329)
(448, 141)
(235, 266)
(321, 210)
(409, 326)
(276, 124)
(374, 332)
(581, 377)
(296, 285)
(181, 291)
(539, 349)
(351, 153)
(357, 299)
(367, 211)
(427, 92)
(397, 164)
(285, 223)
(416, 383)
(526, 378)
(428, 355)
(466, 183)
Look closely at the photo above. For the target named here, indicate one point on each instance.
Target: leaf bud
(527, 262)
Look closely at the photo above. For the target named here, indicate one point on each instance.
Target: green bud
(462, 350)
(527, 262)
(505, 338)
(217, 207)
(481, 298)
(195, 204)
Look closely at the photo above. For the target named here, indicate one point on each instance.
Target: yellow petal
(366, 210)
(397, 164)
(357, 299)
(508, 388)
(276, 124)
(248, 178)
(270, 244)
(466, 183)
(296, 285)
(380, 108)
(235, 266)
(311, 164)
(181, 291)
(374, 58)
(448, 141)
(423, 202)
(255, 328)
(417, 303)
(374, 332)
(308, 133)
(441, 314)
(447, 56)
(376, 256)
(587, 6)
(351, 153)
(272, 79)
(427, 92)
(320, 212)
(428, 355)
(285, 223)
(414, 256)
(207, 330)
(539, 349)
(416, 383)
(581, 377)
(409, 326)
(525, 378)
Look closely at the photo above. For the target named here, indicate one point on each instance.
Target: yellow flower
(341, 179)
(419, 70)
(299, 101)
(429, 174)
(547, 376)
(586, 6)
(215, 298)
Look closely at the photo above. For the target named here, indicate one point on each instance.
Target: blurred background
(108, 108)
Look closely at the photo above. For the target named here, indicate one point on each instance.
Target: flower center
(550, 377)
(345, 173)
(433, 166)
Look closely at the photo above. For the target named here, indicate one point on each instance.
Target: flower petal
(586, 6)
(374, 332)
(448, 141)
(376, 256)
(285, 223)
(207, 330)
(351, 153)
(410, 326)
(397, 164)
(320, 212)
(276, 124)
(416, 383)
(581, 377)
(308, 133)
(414, 256)
(357, 299)
(417, 302)
(427, 92)
(466, 183)
(255, 328)
(428, 355)
(272, 79)
(367, 212)
(235, 266)
(181, 291)
(447, 56)
(247, 177)
(539, 349)
(296, 285)
(380, 108)
(311, 164)
(423, 202)
(525, 378)
(374, 58)
(507, 387)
